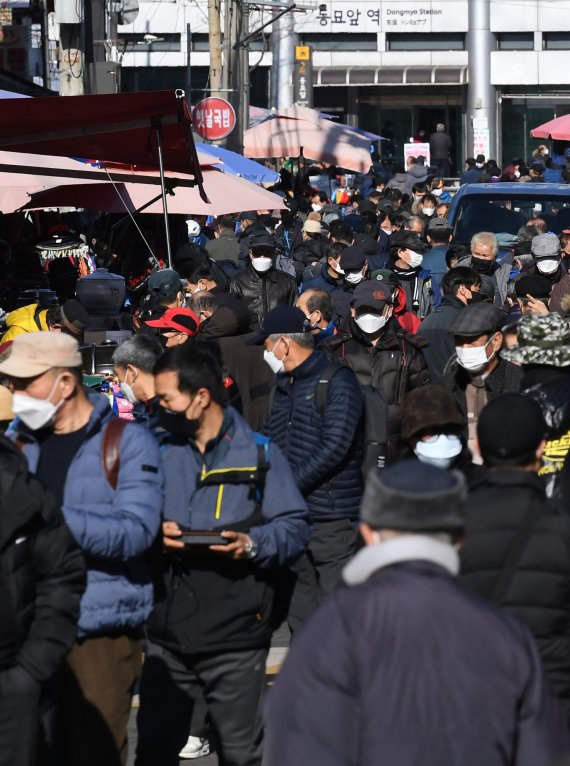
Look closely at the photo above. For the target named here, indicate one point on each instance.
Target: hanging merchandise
(65, 246)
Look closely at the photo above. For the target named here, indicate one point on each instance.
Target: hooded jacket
(114, 528)
(539, 592)
(403, 666)
(417, 174)
(263, 292)
(30, 318)
(42, 573)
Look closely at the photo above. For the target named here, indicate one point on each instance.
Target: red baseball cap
(178, 320)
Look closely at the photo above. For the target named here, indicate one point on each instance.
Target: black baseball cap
(352, 257)
(371, 294)
(509, 427)
(248, 215)
(282, 320)
(261, 241)
(407, 240)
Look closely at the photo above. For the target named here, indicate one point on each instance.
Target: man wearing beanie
(517, 541)
(401, 666)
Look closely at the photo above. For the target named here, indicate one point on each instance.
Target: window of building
(341, 41)
(556, 41)
(515, 41)
(453, 41)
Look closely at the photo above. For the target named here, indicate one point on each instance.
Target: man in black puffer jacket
(42, 577)
(381, 354)
(517, 542)
(322, 446)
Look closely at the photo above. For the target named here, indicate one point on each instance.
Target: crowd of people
(334, 418)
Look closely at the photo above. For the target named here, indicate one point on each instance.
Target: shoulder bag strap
(111, 449)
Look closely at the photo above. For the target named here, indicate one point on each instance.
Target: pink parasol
(300, 131)
(557, 129)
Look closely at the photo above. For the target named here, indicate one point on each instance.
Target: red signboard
(213, 118)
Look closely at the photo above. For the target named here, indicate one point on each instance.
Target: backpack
(375, 419)
(285, 263)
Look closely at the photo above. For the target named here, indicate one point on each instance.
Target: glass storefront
(520, 114)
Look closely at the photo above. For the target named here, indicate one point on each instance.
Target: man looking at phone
(213, 622)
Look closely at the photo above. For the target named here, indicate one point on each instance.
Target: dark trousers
(94, 699)
(19, 717)
(332, 545)
(232, 684)
(443, 167)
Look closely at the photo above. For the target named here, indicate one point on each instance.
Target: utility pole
(69, 16)
(189, 66)
(215, 39)
(481, 95)
(283, 48)
(236, 68)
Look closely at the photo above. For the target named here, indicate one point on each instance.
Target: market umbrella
(299, 131)
(236, 165)
(557, 129)
(227, 194)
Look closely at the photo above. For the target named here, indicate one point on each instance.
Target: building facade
(394, 67)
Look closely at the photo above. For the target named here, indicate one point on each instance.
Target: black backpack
(375, 419)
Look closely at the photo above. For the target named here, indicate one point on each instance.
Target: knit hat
(541, 340)
(429, 407)
(411, 496)
(312, 227)
(511, 426)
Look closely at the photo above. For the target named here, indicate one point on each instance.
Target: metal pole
(283, 47)
(189, 67)
(156, 125)
(481, 95)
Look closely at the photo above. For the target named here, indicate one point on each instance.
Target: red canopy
(120, 127)
(557, 129)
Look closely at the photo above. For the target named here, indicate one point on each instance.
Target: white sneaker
(196, 747)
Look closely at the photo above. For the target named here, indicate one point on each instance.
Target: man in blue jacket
(322, 443)
(212, 625)
(403, 666)
(113, 515)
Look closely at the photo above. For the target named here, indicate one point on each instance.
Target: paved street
(275, 659)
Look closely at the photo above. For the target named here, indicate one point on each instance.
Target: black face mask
(475, 298)
(482, 266)
(178, 423)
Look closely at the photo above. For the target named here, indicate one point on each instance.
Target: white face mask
(545, 152)
(36, 413)
(479, 165)
(276, 365)
(414, 259)
(429, 211)
(128, 392)
(371, 323)
(548, 265)
(355, 277)
(335, 266)
(517, 174)
(474, 359)
(316, 207)
(261, 264)
(440, 450)
(437, 192)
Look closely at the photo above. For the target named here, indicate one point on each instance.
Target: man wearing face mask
(548, 263)
(318, 308)
(439, 237)
(483, 258)
(460, 287)
(321, 440)
(213, 622)
(175, 326)
(133, 363)
(166, 290)
(406, 259)
(477, 374)
(353, 263)
(433, 430)
(289, 231)
(260, 286)
(331, 279)
(113, 514)
(381, 354)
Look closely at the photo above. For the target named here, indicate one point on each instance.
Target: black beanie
(510, 428)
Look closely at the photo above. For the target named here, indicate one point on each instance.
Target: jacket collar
(396, 551)
(328, 279)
